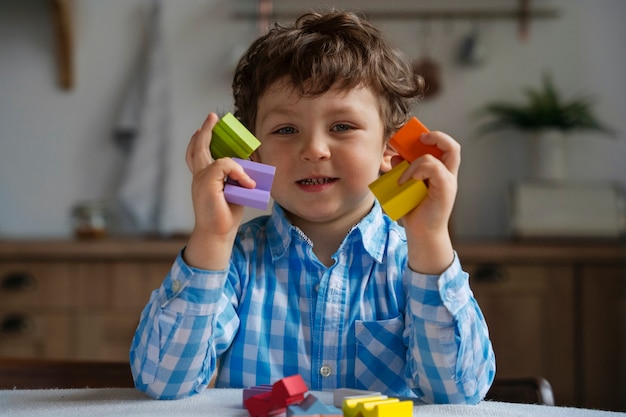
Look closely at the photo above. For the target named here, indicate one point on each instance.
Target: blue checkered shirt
(367, 322)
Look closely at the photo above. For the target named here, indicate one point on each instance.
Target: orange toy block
(408, 144)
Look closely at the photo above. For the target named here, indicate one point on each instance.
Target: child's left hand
(430, 248)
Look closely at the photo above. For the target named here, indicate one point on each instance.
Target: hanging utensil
(427, 67)
(472, 49)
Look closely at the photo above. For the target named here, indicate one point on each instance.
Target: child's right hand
(216, 220)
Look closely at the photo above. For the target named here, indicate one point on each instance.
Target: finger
(451, 149)
(200, 146)
(189, 151)
(423, 168)
(235, 172)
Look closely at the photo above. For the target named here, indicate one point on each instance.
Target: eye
(341, 127)
(287, 130)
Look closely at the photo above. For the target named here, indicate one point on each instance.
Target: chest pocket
(381, 356)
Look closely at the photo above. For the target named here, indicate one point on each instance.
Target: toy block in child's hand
(313, 407)
(257, 197)
(407, 141)
(377, 407)
(397, 200)
(230, 138)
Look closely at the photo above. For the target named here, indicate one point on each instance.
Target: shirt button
(326, 371)
(176, 285)
(317, 288)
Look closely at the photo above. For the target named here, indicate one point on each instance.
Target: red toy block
(408, 144)
(284, 392)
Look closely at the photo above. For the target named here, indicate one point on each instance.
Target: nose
(315, 147)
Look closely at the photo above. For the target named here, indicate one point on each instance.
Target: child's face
(326, 150)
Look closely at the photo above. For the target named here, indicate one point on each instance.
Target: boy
(327, 286)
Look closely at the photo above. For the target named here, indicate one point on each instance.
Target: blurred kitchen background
(56, 142)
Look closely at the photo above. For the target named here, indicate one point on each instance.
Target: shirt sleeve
(173, 353)
(450, 357)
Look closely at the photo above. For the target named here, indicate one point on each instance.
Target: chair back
(527, 390)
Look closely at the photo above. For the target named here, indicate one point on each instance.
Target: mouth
(316, 181)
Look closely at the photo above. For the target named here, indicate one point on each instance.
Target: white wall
(56, 147)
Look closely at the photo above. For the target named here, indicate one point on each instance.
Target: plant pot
(547, 155)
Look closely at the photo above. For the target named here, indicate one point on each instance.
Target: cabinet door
(111, 296)
(603, 338)
(529, 310)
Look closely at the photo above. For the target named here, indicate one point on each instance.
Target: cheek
(365, 168)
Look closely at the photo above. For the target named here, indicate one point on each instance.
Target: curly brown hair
(320, 50)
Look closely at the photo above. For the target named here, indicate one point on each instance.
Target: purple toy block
(262, 174)
(258, 197)
(254, 198)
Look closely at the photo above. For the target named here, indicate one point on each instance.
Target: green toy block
(232, 139)
(398, 200)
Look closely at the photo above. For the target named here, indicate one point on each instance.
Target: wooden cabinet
(557, 311)
(77, 299)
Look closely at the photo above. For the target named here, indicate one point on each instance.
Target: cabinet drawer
(36, 284)
(39, 334)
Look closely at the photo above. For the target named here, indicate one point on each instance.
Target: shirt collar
(373, 230)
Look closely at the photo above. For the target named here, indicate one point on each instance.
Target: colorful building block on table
(231, 139)
(341, 394)
(284, 392)
(257, 197)
(256, 390)
(311, 406)
(374, 406)
(397, 200)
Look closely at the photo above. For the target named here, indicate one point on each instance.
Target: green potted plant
(547, 118)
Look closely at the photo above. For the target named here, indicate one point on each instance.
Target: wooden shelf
(467, 14)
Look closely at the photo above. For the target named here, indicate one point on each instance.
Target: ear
(388, 154)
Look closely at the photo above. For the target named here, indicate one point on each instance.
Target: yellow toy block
(350, 404)
(398, 200)
(390, 407)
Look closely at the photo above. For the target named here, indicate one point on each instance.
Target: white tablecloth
(127, 402)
